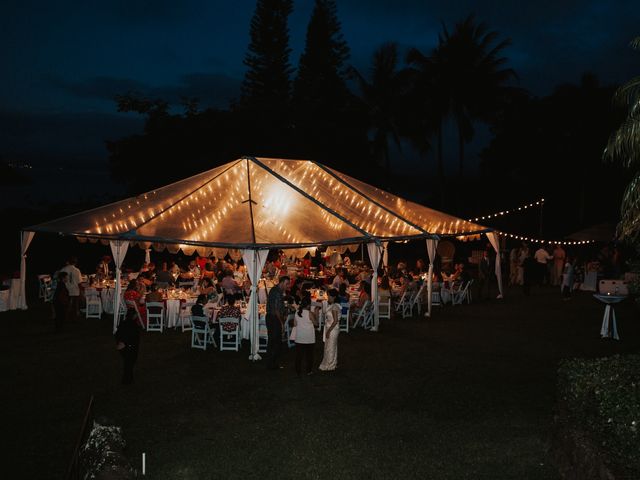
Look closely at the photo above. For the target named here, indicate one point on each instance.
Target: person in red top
(133, 298)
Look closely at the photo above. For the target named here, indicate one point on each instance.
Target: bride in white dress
(331, 331)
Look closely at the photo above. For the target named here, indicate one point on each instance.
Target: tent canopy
(259, 203)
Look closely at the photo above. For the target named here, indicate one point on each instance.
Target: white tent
(255, 204)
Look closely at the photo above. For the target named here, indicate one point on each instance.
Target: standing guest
(529, 273)
(305, 322)
(522, 255)
(61, 301)
(74, 277)
(102, 270)
(331, 331)
(275, 322)
(567, 278)
(485, 272)
(542, 257)
(559, 257)
(128, 343)
(514, 262)
(164, 278)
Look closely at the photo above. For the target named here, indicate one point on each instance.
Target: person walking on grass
(128, 343)
(275, 322)
(331, 331)
(304, 323)
(60, 301)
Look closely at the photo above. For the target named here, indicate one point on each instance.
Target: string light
(550, 242)
(507, 212)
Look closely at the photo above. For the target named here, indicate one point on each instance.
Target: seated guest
(164, 278)
(197, 310)
(174, 269)
(229, 311)
(229, 285)
(155, 295)
(208, 272)
(209, 289)
(149, 276)
(343, 296)
(194, 269)
(340, 278)
(384, 289)
(363, 297)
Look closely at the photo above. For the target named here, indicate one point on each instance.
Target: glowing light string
(507, 212)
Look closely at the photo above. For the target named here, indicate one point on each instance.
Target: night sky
(64, 61)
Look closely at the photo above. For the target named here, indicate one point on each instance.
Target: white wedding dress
(330, 358)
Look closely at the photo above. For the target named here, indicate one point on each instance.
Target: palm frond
(624, 144)
(629, 226)
(629, 94)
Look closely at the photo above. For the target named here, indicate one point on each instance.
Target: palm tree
(382, 98)
(476, 74)
(624, 146)
(467, 78)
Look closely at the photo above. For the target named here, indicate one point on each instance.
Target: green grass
(469, 394)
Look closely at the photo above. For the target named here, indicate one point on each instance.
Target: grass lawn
(467, 394)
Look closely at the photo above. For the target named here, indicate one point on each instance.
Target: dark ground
(468, 394)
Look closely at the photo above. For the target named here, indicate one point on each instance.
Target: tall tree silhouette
(382, 96)
(267, 84)
(320, 86)
(475, 76)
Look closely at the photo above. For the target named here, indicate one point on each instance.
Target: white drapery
(385, 255)
(254, 260)
(432, 244)
(118, 251)
(25, 241)
(375, 254)
(147, 255)
(495, 243)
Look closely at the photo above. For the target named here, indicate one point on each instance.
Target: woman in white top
(331, 331)
(305, 321)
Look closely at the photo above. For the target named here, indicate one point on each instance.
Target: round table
(609, 329)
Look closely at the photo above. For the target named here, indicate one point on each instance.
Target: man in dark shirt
(128, 341)
(275, 322)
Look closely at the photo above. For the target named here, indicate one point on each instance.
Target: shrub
(603, 397)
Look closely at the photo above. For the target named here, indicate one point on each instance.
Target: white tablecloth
(172, 312)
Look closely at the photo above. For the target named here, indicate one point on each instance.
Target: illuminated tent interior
(254, 204)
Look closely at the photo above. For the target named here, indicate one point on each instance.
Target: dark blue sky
(64, 61)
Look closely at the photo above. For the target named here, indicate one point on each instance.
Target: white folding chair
(93, 303)
(263, 335)
(201, 333)
(229, 340)
(45, 290)
(185, 315)
(364, 316)
(288, 326)
(155, 316)
(409, 303)
(384, 308)
(461, 294)
(345, 310)
(186, 284)
(401, 302)
(436, 300)
(134, 306)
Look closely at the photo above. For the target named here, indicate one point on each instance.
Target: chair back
(155, 316)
